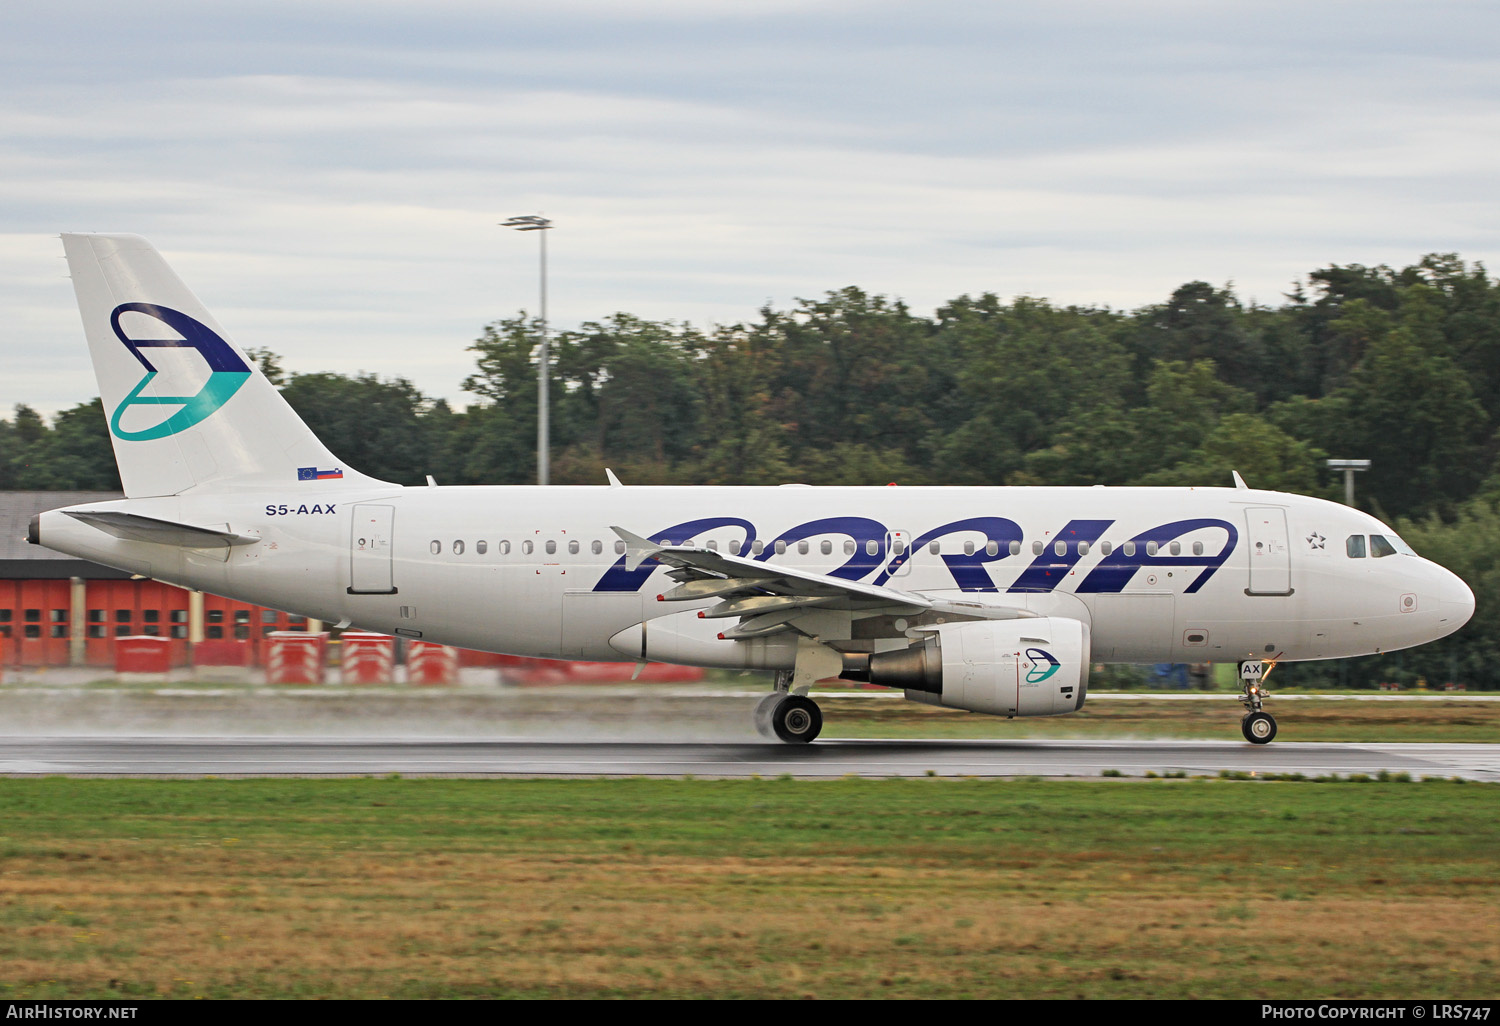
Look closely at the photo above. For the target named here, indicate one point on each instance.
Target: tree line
(1401, 367)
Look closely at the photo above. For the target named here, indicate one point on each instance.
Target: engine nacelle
(1027, 667)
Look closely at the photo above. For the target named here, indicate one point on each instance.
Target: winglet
(614, 482)
(637, 549)
(1239, 482)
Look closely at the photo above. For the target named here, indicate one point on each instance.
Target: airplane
(989, 599)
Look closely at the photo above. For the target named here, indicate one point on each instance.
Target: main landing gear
(795, 719)
(1258, 726)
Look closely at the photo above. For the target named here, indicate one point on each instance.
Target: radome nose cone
(1457, 602)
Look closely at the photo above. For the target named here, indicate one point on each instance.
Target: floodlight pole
(536, 223)
(1350, 468)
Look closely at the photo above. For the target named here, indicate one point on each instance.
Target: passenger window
(1015, 547)
(1151, 548)
(1105, 548)
(992, 548)
(872, 547)
(596, 547)
(1175, 548)
(1355, 546)
(849, 547)
(572, 548)
(1197, 548)
(936, 548)
(802, 548)
(458, 548)
(436, 547)
(780, 547)
(713, 546)
(551, 547)
(1060, 548)
(620, 548)
(505, 548)
(1036, 548)
(1083, 548)
(526, 547)
(757, 547)
(1129, 548)
(1380, 547)
(734, 547)
(481, 546)
(968, 548)
(826, 548)
(898, 546)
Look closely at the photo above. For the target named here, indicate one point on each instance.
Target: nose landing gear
(1258, 726)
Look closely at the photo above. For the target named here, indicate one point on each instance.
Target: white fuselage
(1159, 574)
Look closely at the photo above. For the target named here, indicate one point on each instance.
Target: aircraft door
(1270, 555)
(898, 543)
(370, 558)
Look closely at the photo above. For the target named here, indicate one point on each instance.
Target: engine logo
(1043, 665)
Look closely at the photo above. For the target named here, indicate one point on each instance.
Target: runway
(315, 757)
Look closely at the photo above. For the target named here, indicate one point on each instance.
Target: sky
(328, 177)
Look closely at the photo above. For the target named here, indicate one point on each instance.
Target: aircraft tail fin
(186, 406)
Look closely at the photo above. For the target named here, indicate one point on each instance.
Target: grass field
(854, 888)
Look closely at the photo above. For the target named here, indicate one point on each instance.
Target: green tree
(1264, 455)
(377, 426)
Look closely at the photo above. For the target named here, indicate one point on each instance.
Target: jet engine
(1027, 667)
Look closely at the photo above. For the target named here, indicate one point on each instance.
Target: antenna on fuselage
(1239, 482)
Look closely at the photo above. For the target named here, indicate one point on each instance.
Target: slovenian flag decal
(314, 474)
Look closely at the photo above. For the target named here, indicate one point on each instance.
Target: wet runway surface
(309, 756)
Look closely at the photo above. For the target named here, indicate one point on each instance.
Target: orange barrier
(555, 671)
(221, 653)
(296, 657)
(143, 654)
(368, 658)
(427, 663)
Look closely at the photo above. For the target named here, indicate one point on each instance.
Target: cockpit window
(1355, 546)
(1380, 547)
(1401, 546)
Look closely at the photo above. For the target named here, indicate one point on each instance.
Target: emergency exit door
(1270, 555)
(370, 571)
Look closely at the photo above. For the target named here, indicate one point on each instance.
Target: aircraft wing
(767, 597)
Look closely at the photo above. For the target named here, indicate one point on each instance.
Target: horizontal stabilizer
(162, 532)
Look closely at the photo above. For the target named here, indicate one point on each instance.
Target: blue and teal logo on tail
(227, 372)
(1044, 665)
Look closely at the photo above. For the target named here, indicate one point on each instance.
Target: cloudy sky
(327, 176)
